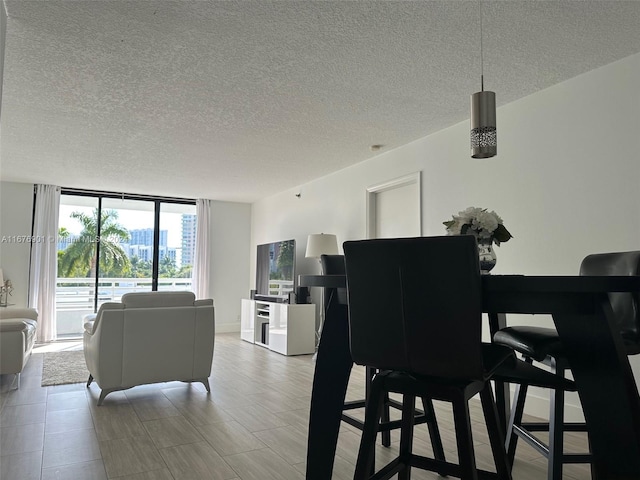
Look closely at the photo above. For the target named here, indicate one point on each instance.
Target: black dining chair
(335, 265)
(543, 345)
(415, 315)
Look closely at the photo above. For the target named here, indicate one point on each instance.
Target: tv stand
(288, 329)
(269, 298)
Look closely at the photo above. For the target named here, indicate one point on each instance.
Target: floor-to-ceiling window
(110, 244)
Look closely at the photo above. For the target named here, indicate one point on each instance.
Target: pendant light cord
(481, 50)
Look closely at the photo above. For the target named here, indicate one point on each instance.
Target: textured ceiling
(236, 100)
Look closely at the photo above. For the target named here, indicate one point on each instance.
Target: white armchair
(148, 338)
(17, 337)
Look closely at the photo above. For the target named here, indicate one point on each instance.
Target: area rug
(60, 368)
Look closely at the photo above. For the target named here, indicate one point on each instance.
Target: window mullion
(97, 240)
(156, 246)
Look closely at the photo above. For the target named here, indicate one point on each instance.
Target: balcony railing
(280, 287)
(74, 297)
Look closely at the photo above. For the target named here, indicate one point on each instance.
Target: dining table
(582, 314)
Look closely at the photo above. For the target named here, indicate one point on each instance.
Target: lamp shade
(483, 125)
(321, 244)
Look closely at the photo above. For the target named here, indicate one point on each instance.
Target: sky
(131, 220)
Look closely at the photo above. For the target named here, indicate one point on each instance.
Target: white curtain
(202, 255)
(44, 261)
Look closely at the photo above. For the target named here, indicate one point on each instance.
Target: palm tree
(63, 234)
(284, 261)
(80, 256)
(140, 268)
(184, 272)
(167, 267)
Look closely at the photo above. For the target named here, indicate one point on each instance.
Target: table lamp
(321, 244)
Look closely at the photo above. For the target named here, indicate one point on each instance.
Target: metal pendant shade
(484, 140)
(483, 125)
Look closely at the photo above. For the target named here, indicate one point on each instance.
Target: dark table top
(516, 283)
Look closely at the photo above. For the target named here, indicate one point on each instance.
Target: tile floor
(253, 426)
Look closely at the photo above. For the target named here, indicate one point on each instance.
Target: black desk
(582, 315)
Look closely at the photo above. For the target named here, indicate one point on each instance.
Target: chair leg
(406, 436)
(489, 408)
(466, 456)
(556, 429)
(434, 431)
(205, 382)
(373, 412)
(89, 380)
(103, 395)
(515, 418)
(592, 465)
(370, 372)
(386, 434)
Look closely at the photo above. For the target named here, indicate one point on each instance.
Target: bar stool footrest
(544, 426)
(543, 448)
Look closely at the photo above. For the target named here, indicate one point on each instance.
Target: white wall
(3, 36)
(565, 180)
(230, 240)
(16, 212)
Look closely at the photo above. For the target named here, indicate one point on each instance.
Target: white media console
(285, 328)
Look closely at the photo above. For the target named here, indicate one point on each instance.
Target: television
(275, 270)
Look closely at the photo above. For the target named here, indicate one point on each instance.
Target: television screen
(275, 268)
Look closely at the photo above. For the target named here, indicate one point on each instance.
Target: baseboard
(537, 405)
(227, 327)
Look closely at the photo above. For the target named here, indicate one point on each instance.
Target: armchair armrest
(13, 325)
(30, 313)
(88, 322)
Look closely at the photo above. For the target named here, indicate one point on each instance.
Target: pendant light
(483, 114)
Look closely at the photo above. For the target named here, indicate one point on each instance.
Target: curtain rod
(124, 196)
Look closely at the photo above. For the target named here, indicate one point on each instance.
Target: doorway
(394, 208)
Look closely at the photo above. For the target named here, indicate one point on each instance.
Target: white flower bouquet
(483, 224)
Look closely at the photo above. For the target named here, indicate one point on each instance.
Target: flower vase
(486, 255)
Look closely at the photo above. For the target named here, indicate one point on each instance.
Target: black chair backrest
(415, 305)
(334, 265)
(625, 306)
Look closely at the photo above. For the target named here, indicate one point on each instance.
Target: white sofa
(17, 336)
(148, 338)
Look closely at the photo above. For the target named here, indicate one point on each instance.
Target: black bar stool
(335, 265)
(543, 345)
(415, 315)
